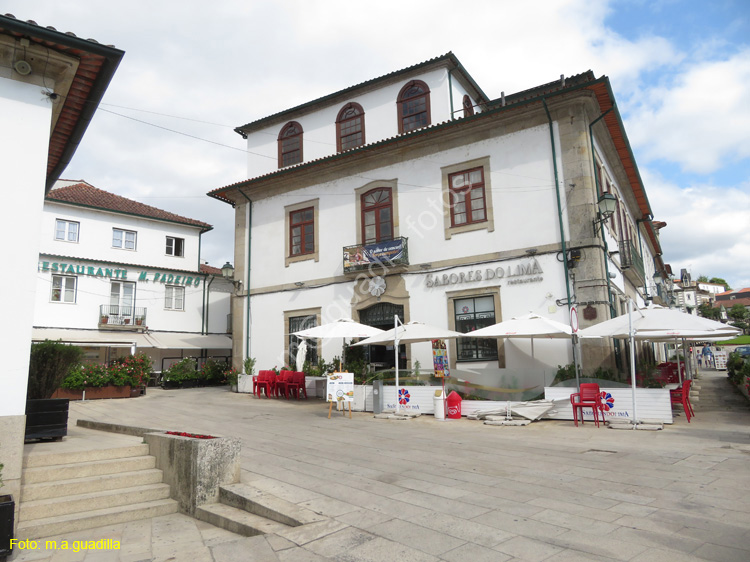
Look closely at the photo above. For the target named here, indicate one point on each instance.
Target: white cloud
(708, 228)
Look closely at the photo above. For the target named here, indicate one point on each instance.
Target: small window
(302, 232)
(175, 246)
(350, 127)
(66, 231)
(124, 239)
(290, 144)
(297, 323)
(471, 314)
(63, 289)
(377, 216)
(174, 298)
(413, 106)
(468, 205)
(468, 107)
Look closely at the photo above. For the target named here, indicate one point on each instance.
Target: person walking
(707, 356)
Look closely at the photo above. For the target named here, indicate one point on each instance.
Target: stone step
(73, 486)
(237, 520)
(257, 502)
(58, 472)
(34, 460)
(50, 526)
(41, 509)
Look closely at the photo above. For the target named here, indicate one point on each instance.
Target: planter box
(95, 392)
(245, 384)
(7, 505)
(47, 418)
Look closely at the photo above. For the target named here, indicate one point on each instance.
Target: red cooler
(454, 406)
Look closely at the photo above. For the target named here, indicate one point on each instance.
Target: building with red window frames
(415, 194)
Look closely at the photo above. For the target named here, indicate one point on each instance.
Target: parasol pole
(632, 359)
(395, 351)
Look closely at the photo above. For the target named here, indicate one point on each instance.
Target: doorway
(381, 316)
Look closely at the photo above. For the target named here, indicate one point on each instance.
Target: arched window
(468, 106)
(350, 127)
(290, 144)
(377, 215)
(413, 106)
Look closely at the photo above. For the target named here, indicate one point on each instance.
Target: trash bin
(439, 402)
(454, 406)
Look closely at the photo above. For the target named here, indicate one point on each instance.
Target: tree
(707, 311)
(738, 312)
(703, 279)
(49, 364)
(720, 281)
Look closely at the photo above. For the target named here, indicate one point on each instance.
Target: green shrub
(249, 365)
(183, 370)
(49, 364)
(565, 373)
(213, 372)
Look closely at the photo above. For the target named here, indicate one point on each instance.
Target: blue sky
(680, 71)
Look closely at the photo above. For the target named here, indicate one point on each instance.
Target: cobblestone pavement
(424, 490)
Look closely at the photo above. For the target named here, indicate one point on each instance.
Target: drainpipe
(640, 249)
(450, 91)
(598, 193)
(200, 234)
(207, 297)
(576, 359)
(247, 273)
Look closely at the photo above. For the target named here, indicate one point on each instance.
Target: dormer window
(290, 144)
(413, 106)
(350, 127)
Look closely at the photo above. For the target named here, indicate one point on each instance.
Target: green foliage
(184, 370)
(213, 372)
(565, 373)
(132, 370)
(707, 311)
(49, 364)
(720, 281)
(249, 365)
(738, 313)
(736, 367)
(232, 376)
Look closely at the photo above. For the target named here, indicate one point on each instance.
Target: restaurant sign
(530, 272)
(118, 273)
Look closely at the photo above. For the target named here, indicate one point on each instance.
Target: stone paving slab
(427, 490)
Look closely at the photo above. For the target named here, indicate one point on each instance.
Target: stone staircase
(247, 511)
(67, 492)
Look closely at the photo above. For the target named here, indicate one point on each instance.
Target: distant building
(116, 276)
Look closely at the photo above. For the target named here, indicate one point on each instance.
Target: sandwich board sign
(340, 389)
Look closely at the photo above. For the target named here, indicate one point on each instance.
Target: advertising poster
(340, 387)
(440, 359)
(360, 257)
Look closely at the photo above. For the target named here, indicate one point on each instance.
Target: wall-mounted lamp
(227, 271)
(607, 204)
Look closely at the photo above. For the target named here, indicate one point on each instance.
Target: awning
(97, 338)
(185, 340)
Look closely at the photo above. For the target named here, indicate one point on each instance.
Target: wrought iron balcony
(118, 315)
(631, 260)
(379, 254)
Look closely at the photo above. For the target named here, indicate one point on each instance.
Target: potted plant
(245, 381)
(139, 320)
(104, 319)
(7, 507)
(50, 363)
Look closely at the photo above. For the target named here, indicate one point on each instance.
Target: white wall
(381, 122)
(25, 115)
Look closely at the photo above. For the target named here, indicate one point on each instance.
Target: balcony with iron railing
(389, 253)
(122, 317)
(631, 262)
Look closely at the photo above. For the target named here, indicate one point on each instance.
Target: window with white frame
(175, 246)
(63, 289)
(124, 239)
(471, 314)
(174, 298)
(67, 231)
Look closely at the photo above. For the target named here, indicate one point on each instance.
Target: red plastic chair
(296, 384)
(682, 396)
(588, 397)
(265, 383)
(282, 383)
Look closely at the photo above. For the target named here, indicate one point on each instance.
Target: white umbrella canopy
(342, 328)
(528, 326)
(413, 332)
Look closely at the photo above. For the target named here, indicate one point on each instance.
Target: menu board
(440, 359)
(340, 387)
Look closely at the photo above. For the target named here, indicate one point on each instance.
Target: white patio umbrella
(301, 354)
(341, 328)
(528, 326)
(412, 332)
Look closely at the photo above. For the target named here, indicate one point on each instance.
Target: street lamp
(607, 205)
(227, 271)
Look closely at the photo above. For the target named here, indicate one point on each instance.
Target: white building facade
(414, 194)
(116, 276)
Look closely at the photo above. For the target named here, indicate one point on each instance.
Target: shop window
(63, 289)
(175, 246)
(468, 107)
(297, 323)
(290, 144)
(124, 239)
(467, 197)
(472, 313)
(413, 106)
(174, 298)
(350, 127)
(377, 215)
(302, 232)
(67, 231)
